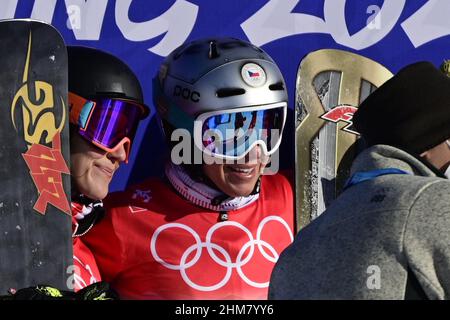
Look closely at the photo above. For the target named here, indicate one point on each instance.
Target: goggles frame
(199, 122)
(81, 111)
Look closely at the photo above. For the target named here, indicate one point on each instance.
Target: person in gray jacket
(387, 236)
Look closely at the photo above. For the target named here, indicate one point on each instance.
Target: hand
(96, 291)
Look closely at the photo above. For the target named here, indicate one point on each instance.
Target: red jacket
(153, 244)
(86, 270)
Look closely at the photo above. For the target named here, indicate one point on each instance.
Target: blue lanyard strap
(369, 175)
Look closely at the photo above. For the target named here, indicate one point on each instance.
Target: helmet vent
(213, 52)
(228, 92)
(276, 86)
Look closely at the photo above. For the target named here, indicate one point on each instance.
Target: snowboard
(35, 219)
(329, 87)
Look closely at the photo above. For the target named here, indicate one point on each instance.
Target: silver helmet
(215, 74)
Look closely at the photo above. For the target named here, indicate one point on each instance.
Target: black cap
(411, 111)
(94, 73)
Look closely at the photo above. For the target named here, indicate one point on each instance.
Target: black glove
(96, 291)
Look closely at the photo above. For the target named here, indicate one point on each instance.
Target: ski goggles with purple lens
(231, 134)
(107, 123)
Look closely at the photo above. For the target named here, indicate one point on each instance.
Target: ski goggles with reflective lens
(233, 133)
(108, 123)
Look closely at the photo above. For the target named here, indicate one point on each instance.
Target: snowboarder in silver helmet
(235, 220)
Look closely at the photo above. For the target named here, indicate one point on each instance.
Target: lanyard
(369, 175)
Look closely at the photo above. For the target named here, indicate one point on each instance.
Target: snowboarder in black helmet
(106, 105)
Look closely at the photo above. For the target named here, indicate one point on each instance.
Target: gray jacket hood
(384, 156)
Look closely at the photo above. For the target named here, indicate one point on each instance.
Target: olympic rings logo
(212, 247)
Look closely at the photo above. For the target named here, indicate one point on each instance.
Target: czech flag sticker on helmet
(253, 75)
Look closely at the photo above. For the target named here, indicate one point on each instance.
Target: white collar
(201, 194)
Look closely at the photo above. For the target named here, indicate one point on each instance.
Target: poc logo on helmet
(186, 93)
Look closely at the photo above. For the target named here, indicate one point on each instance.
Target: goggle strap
(76, 104)
(80, 110)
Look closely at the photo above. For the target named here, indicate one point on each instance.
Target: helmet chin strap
(223, 197)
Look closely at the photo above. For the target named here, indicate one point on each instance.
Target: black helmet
(94, 73)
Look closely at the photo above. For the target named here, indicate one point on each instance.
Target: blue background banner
(142, 32)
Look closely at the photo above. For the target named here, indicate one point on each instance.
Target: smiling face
(237, 180)
(92, 168)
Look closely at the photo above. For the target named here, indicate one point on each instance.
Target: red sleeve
(279, 188)
(289, 175)
(106, 244)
